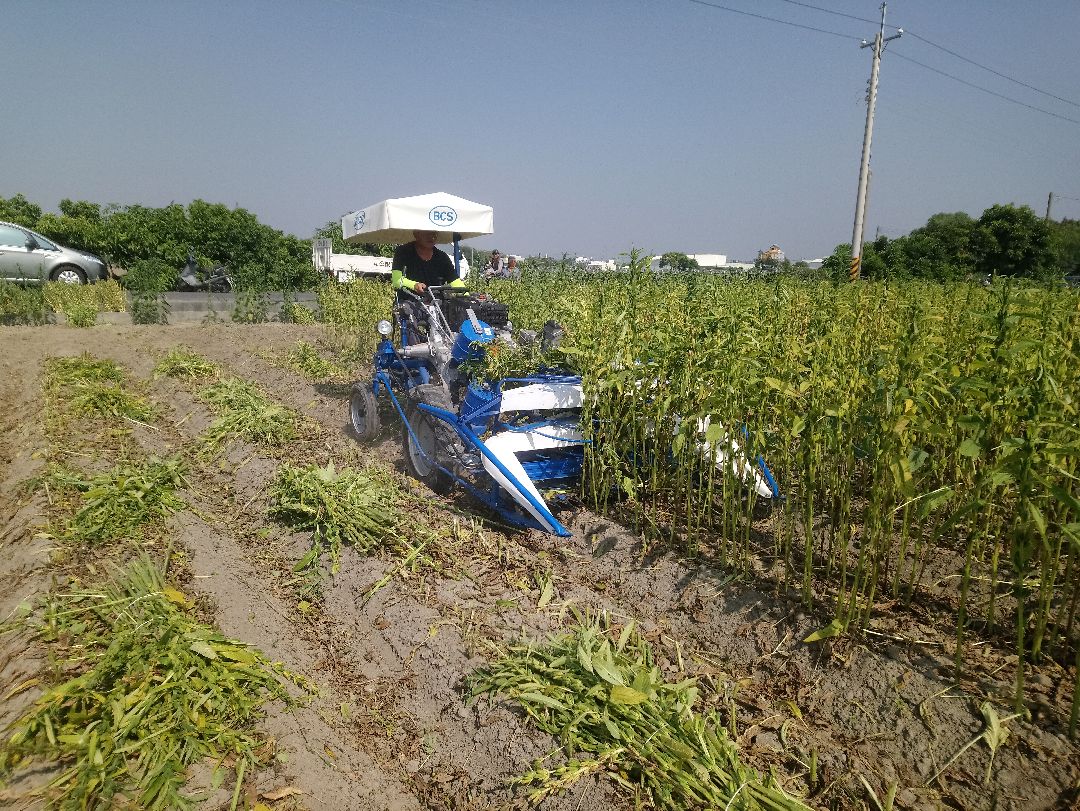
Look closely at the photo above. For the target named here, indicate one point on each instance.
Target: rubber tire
(432, 434)
(68, 270)
(364, 412)
(219, 284)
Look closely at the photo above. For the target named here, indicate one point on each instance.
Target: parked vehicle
(345, 267)
(27, 256)
(194, 279)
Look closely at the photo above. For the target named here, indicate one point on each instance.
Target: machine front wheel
(363, 411)
(434, 436)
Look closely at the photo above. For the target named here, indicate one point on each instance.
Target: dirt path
(391, 729)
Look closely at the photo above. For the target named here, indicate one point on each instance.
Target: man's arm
(449, 273)
(398, 280)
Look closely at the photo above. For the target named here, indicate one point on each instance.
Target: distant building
(595, 265)
(773, 256)
(709, 260)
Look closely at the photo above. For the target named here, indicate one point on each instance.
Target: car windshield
(44, 243)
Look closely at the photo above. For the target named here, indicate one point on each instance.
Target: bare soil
(391, 728)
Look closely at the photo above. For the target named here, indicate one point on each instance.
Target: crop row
(922, 435)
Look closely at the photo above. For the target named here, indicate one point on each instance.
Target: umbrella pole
(457, 255)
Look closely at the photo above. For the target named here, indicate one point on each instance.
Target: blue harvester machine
(509, 442)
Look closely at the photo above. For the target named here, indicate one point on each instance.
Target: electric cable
(908, 58)
(940, 48)
(984, 89)
(775, 20)
(991, 70)
(830, 11)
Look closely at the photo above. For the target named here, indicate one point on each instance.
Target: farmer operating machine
(510, 442)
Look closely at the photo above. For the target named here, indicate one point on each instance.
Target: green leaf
(970, 448)
(1037, 518)
(307, 560)
(546, 594)
(604, 665)
(584, 656)
(834, 628)
(204, 649)
(931, 501)
(626, 695)
(540, 698)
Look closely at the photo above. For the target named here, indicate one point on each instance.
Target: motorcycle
(194, 279)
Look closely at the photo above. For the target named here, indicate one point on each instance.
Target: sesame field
(213, 596)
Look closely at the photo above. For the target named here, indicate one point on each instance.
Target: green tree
(332, 230)
(1012, 241)
(78, 225)
(875, 264)
(838, 264)
(260, 257)
(1065, 236)
(942, 249)
(20, 211)
(673, 260)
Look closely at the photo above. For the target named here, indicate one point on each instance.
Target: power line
(830, 11)
(907, 58)
(923, 39)
(775, 20)
(991, 70)
(984, 89)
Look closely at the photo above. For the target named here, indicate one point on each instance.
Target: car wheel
(434, 436)
(363, 411)
(68, 274)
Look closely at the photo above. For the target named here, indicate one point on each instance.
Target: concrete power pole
(864, 166)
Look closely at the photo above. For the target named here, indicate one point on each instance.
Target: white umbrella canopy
(394, 220)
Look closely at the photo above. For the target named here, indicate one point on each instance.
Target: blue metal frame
(493, 496)
(388, 360)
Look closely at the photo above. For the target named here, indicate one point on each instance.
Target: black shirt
(437, 270)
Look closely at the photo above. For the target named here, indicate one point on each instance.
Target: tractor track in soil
(391, 729)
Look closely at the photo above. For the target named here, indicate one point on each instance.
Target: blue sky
(591, 127)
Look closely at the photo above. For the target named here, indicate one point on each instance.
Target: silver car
(27, 256)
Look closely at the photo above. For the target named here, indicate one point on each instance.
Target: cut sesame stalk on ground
(120, 502)
(243, 412)
(305, 359)
(609, 706)
(85, 386)
(183, 362)
(358, 508)
(142, 692)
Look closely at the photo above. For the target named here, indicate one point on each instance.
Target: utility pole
(1049, 200)
(864, 166)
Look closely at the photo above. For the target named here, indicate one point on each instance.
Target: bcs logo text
(442, 216)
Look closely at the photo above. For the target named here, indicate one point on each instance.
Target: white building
(709, 260)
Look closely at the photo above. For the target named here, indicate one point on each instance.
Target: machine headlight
(385, 328)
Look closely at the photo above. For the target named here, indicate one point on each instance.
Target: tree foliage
(332, 230)
(259, 257)
(1065, 236)
(673, 260)
(19, 210)
(1012, 241)
(1006, 240)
